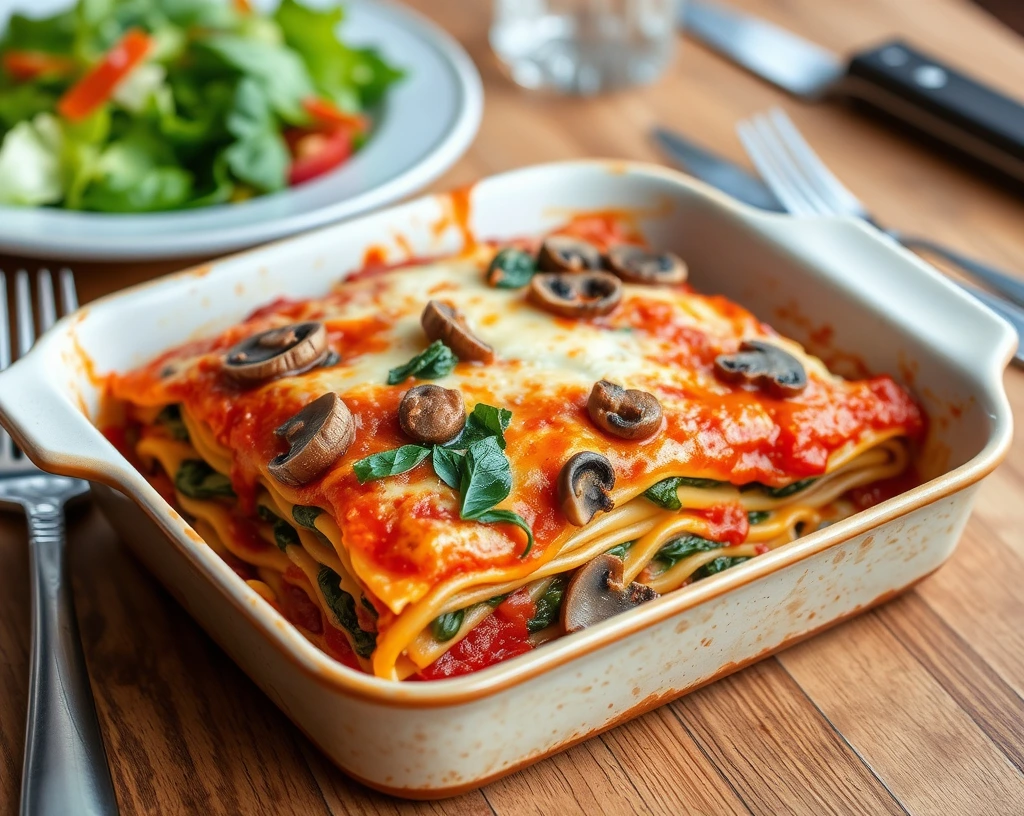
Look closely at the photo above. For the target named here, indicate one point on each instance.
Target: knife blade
(720, 173)
(902, 82)
(729, 177)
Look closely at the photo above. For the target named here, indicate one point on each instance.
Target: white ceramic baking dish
(842, 289)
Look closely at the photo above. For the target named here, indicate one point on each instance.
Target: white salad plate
(427, 121)
(846, 292)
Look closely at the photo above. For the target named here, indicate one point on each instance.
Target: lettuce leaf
(352, 78)
(30, 169)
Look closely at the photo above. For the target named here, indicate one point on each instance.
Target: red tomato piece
(25, 65)
(327, 113)
(494, 640)
(98, 85)
(729, 522)
(299, 609)
(518, 608)
(337, 646)
(316, 152)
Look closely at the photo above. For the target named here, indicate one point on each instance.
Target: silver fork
(805, 186)
(65, 769)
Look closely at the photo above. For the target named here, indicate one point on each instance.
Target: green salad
(127, 106)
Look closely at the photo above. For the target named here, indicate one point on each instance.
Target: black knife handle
(938, 100)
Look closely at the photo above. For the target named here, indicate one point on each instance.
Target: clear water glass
(584, 46)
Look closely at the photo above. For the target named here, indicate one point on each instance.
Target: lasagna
(440, 466)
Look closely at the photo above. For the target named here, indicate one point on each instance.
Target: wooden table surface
(914, 707)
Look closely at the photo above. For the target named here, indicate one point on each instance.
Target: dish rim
(108, 467)
(162, 244)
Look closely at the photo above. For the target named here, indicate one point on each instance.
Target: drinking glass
(584, 46)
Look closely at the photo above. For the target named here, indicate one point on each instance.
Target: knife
(902, 82)
(743, 185)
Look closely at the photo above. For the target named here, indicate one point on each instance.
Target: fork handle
(65, 765)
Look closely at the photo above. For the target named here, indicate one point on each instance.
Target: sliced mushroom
(432, 414)
(583, 487)
(637, 265)
(443, 322)
(582, 294)
(277, 353)
(768, 367)
(318, 436)
(596, 593)
(625, 413)
(560, 253)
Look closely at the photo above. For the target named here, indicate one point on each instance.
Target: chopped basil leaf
(306, 516)
(549, 605)
(447, 626)
(663, 493)
(620, 550)
(486, 478)
(721, 563)
(343, 607)
(511, 269)
(757, 516)
(170, 418)
(482, 475)
(683, 547)
(389, 463)
(448, 465)
(483, 421)
(437, 361)
(284, 534)
(788, 490)
(198, 480)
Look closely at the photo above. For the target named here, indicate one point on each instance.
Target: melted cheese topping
(402, 536)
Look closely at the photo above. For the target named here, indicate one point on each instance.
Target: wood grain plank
(584, 780)
(186, 731)
(775, 748)
(14, 643)
(978, 595)
(668, 769)
(345, 797)
(961, 671)
(898, 717)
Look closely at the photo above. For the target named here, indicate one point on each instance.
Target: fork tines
(21, 320)
(797, 175)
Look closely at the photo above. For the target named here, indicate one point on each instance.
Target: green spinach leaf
(448, 465)
(683, 547)
(170, 418)
(483, 421)
(306, 516)
(718, 565)
(389, 463)
(663, 493)
(435, 362)
(343, 607)
(284, 534)
(757, 517)
(198, 480)
(549, 605)
(620, 550)
(788, 490)
(486, 478)
(511, 269)
(445, 627)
